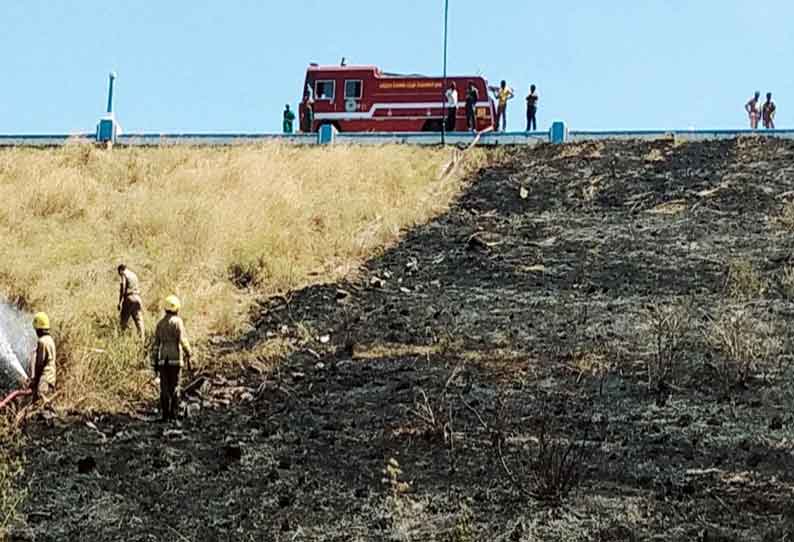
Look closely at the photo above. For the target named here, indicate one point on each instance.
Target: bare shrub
(584, 350)
(743, 282)
(448, 339)
(571, 342)
(549, 470)
(576, 335)
(742, 343)
(596, 363)
(668, 327)
(435, 413)
(787, 282)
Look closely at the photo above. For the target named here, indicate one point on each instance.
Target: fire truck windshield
(325, 90)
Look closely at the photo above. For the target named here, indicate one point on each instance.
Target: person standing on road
(289, 118)
(452, 106)
(130, 304)
(472, 97)
(532, 109)
(753, 108)
(309, 116)
(503, 93)
(42, 370)
(307, 121)
(768, 112)
(169, 349)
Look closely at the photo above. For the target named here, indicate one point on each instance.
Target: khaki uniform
(170, 347)
(44, 369)
(131, 304)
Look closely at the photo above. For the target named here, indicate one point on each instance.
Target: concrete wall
(452, 138)
(680, 135)
(414, 138)
(212, 139)
(43, 140)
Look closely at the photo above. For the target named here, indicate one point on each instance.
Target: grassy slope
(216, 226)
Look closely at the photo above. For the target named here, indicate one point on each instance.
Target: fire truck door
(325, 93)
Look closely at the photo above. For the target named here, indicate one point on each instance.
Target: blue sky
(193, 65)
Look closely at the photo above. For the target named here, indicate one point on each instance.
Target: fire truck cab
(365, 99)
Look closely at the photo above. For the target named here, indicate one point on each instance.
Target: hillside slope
(217, 226)
(630, 298)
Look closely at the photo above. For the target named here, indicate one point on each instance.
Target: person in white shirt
(452, 106)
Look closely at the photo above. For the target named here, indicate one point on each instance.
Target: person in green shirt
(289, 117)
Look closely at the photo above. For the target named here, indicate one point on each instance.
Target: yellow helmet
(41, 321)
(172, 303)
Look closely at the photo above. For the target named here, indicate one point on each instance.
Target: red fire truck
(365, 99)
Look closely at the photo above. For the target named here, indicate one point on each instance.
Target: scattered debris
(192, 410)
(199, 387)
(232, 453)
(342, 294)
(474, 243)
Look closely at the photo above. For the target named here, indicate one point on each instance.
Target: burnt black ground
(541, 304)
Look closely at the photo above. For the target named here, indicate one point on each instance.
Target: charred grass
(591, 344)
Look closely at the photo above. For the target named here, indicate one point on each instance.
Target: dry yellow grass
(786, 217)
(218, 227)
(743, 281)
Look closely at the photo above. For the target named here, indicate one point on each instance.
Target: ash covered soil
(543, 307)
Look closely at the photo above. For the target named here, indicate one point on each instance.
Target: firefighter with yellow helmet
(170, 347)
(42, 370)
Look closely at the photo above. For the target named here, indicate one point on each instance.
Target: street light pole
(444, 89)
